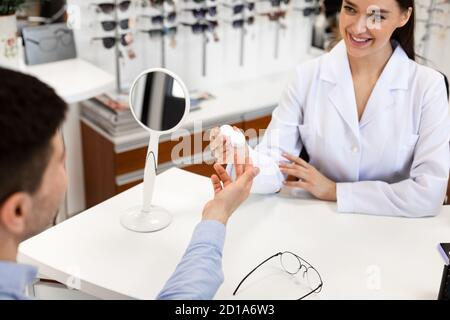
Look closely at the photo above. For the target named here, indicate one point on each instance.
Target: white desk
(115, 263)
(74, 80)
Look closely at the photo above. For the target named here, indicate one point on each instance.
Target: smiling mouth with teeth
(359, 40)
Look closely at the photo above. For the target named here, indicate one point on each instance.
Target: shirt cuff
(344, 195)
(209, 232)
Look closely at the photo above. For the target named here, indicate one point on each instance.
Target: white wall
(435, 47)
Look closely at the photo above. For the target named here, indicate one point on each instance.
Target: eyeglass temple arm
(242, 281)
(32, 41)
(310, 293)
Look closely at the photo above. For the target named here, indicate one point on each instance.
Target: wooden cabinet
(99, 166)
(108, 173)
(257, 124)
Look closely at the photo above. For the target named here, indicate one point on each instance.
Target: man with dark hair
(33, 183)
(32, 172)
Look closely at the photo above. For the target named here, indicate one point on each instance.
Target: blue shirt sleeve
(14, 278)
(199, 274)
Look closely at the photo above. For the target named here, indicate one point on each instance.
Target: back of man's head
(30, 115)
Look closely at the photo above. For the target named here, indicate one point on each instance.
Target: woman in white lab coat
(374, 122)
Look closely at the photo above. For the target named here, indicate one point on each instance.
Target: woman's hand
(310, 179)
(228, 194)
(221, 149)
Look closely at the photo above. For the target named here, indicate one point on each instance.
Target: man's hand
(310, 179)
(228, 194)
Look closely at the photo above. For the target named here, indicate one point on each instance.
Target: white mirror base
(139, 221)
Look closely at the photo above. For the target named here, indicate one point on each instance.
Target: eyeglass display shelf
(358, 256)
(74, 80)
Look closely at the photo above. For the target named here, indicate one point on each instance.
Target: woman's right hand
(221, 149)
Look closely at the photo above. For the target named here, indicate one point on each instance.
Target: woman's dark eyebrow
(354, 5)
(351, 3)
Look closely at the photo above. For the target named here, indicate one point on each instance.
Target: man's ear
(406, 15)
(14, 212)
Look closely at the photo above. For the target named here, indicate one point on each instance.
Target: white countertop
(358, 256)
(74, 79)
(235, 102)
(238, 99)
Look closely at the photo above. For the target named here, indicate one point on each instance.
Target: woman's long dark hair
(405, 34)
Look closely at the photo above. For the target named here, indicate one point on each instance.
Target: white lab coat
(394, 161)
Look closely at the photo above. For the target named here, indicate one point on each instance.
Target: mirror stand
(148, 218)
(159, 102)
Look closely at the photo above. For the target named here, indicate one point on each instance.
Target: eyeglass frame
(159, 19)
(203, 26)
(121, 38)
(300, 259)
(155, 3)
(57, 38)
(110, 25)
(201, 1)
(101, 6)
(239, 8)
(166, 31)
(200, 13)
(277, 3)
(239, 23)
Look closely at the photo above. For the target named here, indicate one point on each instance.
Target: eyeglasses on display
(277, 3)
(171, 31)
(201, 27)
(111, 25)
(239, 23)
(108, 7)
(200, 13)
(63, 36)
(238, 8)
(109, 42)
(159, 19)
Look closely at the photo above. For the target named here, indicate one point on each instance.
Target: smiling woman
(375, 123)
(368, 26)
